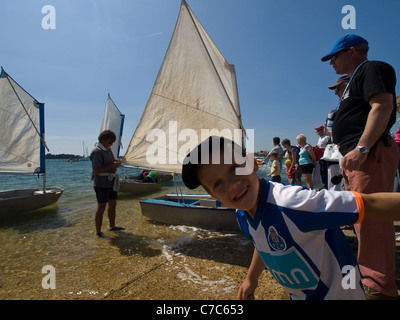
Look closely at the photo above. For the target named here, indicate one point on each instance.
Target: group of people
(301, 160)
(306, 252)
(369, 156)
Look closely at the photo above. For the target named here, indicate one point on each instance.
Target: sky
(96, 47)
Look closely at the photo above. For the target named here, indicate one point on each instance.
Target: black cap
(196, 157)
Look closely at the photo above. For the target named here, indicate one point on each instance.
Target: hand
(117, 163)
(246, 290)
(353, 160)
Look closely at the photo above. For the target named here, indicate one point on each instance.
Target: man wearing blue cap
(361, 129)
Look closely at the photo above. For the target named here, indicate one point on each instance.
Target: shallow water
(147, 260)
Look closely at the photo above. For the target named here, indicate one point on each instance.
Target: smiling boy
(295, 231)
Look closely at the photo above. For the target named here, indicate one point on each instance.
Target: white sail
(113, 120)
(21, 129)
(195, 90)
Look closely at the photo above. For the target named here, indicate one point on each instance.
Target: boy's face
(236, 191)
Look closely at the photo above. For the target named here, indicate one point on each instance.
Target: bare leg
(99, 217)
(308, 179)
(112, 204)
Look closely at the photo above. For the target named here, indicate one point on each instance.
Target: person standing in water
(105, 180)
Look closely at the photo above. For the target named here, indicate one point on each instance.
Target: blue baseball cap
(347, 41)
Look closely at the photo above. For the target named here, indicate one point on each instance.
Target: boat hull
(13, 202)
(198, 210)
(138, 187)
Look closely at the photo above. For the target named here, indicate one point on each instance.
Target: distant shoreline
(63, 156)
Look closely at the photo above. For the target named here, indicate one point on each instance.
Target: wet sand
(211, 268)
(204, 268)
(146, 261)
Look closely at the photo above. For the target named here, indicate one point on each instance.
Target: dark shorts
(103, 195)
(276, 178)
(307, 168)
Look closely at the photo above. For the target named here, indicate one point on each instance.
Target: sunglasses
(335, 56)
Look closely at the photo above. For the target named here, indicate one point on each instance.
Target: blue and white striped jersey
(297, 234)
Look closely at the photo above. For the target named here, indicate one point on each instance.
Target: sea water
(146, 260)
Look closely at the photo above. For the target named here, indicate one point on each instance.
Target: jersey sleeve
(360, 205)
(317, 210)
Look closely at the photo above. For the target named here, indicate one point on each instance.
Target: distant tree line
(62, 156)
(261, 153)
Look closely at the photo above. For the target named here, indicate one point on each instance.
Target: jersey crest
(275, 241)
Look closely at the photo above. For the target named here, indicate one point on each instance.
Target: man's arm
(378, 118)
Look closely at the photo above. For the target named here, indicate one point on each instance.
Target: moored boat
(192, 209)
(22, 148)
(137, 187)
(17, 201)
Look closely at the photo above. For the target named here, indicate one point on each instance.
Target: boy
(293, 152)
(295, 231)
(275, 173)
(290, 171)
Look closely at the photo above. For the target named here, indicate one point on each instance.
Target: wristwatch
(362, 149)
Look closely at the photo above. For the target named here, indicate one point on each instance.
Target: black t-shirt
(350, 119)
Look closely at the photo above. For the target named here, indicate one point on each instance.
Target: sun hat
(345, 42)
(342, 79)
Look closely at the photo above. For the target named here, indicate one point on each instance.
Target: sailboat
(22, 148)
(194, 96)
(85, 153)
(85, 156)
(113, 120)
